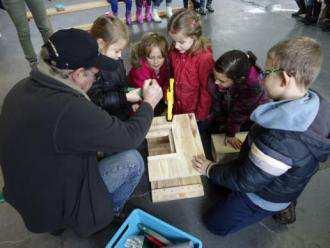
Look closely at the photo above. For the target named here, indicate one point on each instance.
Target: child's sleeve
(242, 108)
(259, 167)
(205, 68)
(136, 78)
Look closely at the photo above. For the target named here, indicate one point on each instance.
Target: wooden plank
(73, 8)
(176, 182)
(175, 193)
(187, 144)
(219, 147)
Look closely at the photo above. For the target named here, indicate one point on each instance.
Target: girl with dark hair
(237, 91)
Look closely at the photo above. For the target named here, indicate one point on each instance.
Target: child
(114, 8)
(201, 9)
(139, 6)
(192, 63)
(283, 150)
(149, 62)
(237, 91)
(109, 90)
(156, 4)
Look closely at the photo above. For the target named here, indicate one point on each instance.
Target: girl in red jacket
(192, 63)
(149, 61)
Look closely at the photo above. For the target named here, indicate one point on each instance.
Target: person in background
(313, 10)
(149, 61)
(201, 7)
(109, 90)
(17, 12)
(114, 9)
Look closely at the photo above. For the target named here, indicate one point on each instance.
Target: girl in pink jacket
(149, 61)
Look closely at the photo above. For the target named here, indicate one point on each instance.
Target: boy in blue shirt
(284, 147)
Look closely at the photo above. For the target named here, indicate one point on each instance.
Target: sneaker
(169, 11)
(299, 13)
(155, 15)
(139, 16)
(286, 216)
(209, 8)
(201, 11)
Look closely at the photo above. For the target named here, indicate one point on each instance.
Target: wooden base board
(219, 148)
(176, 193)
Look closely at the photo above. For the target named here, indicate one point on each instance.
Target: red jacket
(191, 73)
(137, 76)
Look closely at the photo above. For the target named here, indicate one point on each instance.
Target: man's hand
(234, 142)
(152, 92)
(133, 96)
(202, 165)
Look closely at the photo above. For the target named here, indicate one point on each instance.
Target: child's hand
(234, 142)
(133, 96)
(135, 107)
(202, 165)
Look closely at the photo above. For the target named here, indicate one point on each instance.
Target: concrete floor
(240, 24)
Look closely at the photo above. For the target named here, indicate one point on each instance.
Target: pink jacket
(137, 76)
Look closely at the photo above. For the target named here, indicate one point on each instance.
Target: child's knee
(135, 160)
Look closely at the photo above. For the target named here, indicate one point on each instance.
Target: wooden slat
(73, 8)
(175, 193)
(176, 182)
(219, 147)
(187, 144)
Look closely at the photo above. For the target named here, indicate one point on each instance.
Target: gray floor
(241, 24)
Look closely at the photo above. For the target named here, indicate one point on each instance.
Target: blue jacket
(282, 151)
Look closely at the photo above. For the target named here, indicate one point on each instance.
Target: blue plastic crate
(130, 227)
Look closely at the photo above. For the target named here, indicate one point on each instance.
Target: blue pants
(158, 2)
(121, 173)
(114, 5)
(233, 214)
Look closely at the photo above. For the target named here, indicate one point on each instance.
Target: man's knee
(135, 160)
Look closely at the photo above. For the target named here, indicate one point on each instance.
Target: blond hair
(109, 28)
(300, 57)
(143, 48)
(189, 23)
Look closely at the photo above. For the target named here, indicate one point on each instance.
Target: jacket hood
(309, 114)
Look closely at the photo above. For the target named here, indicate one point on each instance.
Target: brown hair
(143, 48)
(300, 57)
(110, 29)
(190, 24)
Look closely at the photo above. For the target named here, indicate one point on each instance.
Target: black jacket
(108, 92)
(300, 151)
(49, 137)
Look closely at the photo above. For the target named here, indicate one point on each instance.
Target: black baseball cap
(75, 48)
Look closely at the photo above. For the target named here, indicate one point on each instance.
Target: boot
(139, 16)
(155, 15)
(149, 15)
(302, 9)
(169, 11)
(286, 216)
(201, 11)
(313, 13)
(209, 7)
(128, 18)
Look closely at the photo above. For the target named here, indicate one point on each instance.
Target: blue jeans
(233, 214)
(114, 6)
(158, 2)
(121, 173)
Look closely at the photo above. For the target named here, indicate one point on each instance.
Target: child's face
(222, 80)
(115, 50)
(155, 58)
(273, 81)
(181, 42)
